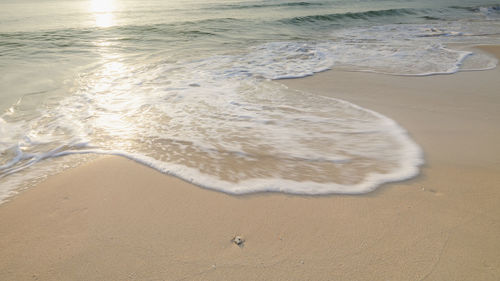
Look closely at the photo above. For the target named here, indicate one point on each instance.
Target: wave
(476, 8)
(206, 111)
(264, 5)
(428, 14)
(273, 155)
(355, 16)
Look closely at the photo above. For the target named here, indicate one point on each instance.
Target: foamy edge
(411, 159)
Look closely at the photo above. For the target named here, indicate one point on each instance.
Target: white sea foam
(414, 49)
(398, 49)
(234, 135)
(219, 122)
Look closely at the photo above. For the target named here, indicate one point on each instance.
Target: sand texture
(114, 219)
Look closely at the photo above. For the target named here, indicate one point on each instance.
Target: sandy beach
(114, 219)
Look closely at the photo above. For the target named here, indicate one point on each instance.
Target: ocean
(192, 88)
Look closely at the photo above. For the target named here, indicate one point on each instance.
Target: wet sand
(114, 219)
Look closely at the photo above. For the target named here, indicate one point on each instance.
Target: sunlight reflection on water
(102, 10)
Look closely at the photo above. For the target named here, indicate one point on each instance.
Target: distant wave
(476, 8)
(430, 18)
(470, 9)
(356, 16)
(264, 5)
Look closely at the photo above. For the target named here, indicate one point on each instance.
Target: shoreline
(36, 179)
(113, 218)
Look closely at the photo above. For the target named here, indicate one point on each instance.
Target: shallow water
(187, 87)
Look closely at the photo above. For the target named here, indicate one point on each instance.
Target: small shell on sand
(238, 240)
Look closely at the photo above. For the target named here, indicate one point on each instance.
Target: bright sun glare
(102, 10)
(102, 6)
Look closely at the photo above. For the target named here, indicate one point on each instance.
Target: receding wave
(215, 122)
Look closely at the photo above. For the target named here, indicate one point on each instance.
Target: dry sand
(113, 219)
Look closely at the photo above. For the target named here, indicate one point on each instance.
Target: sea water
(191, 88)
